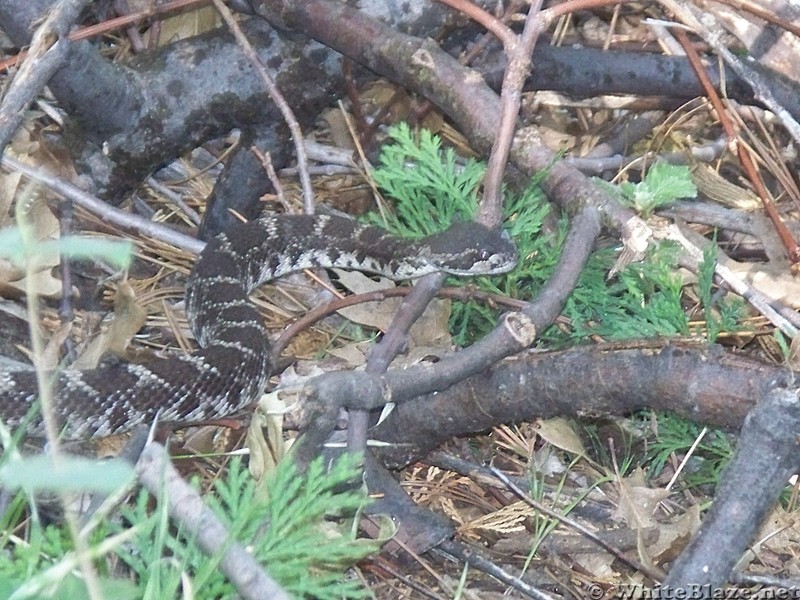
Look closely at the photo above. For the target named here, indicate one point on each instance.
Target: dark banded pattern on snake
(231, 368)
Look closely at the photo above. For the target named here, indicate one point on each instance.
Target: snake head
(468, 248)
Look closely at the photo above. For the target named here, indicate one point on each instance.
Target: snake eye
(484, 255)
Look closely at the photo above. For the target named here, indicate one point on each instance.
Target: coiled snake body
(232, 367)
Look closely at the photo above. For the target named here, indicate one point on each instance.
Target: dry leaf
(338, 131)
(780, 534)
(42, 283)
(547, 462)
(265, 435)
(598, 565)
(637, 501)
(9, 184)
(673, 537)
(51, 356)
(560, 433)
(431, 329)
(128, 319)
(382, 95)
(773, 283)
(793, 360)
(13, 281)
(186, 25)
(353, 354)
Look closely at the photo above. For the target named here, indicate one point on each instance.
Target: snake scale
(231, 368)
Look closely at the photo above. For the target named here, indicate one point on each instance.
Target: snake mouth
(485, 268)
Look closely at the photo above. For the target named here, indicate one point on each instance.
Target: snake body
(231, 368)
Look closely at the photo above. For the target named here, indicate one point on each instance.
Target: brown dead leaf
(431, 329)
(186, 25)
(129, 317)
(382, 95)
(265, 435)
(598, 564)
(560, 433)
(353, 354)
(23, 144)
(337, 129)
(780, 534)
(358, 283)
(673, 537)
(638, 501)
(636, 507)
(9, 185)
(41, 218)
(44, 225)
(548, 462)
(14, 284)
(773, 283)
(51, 356)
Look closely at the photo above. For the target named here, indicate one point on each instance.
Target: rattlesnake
(231, 368)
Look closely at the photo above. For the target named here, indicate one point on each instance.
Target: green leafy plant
(664, 183)
(39, 473)
(435, 187)
(431, 188)
(301, 527)
(295, 524)
(722, 315)
(676, 436)
(24, 251)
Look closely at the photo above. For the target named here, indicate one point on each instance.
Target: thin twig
(186, 507)
(707, 27)
(108, 213)
(280, 102)
(583, 232)
(266, 161)
(392, 343)
(792, 248)
(175, 198)
(518, 50)
(746, 291)
(559, 10)
(463, 293)
(134, 37)
(519, 61)
(465, 554)
(503, 33)
(112, 24)
(525, 497)
(384, 565)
